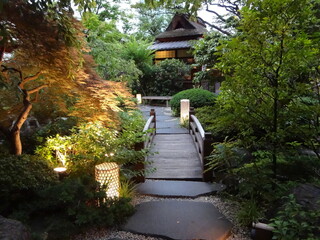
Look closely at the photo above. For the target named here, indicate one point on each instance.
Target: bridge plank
(176, 158)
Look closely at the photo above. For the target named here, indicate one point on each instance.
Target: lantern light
(60, 169)
(107, 174)
(139, 98)
(184, 110)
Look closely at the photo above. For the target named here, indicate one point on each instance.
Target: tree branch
(31, 91)
(28, 79)
(215, 13)
(232, 8)
(216, 27)
(6, 69)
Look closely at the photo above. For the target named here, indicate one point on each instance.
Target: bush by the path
(198, 98)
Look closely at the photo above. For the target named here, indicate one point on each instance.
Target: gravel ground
(226, 207)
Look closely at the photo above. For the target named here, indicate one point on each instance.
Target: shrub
(198, 98)
(169, 76)
(294, 222)
(61, 126)
(92, 143)
(249, 213)
(69, 206)
(20, 177)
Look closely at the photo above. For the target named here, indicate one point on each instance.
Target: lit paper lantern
(184, 110)
(107, 174)
(139, 98)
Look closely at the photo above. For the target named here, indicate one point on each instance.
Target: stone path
(184, 189)
(181, 220)
(176, 218)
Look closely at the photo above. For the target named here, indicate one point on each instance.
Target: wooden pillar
(207, 149)
(191, 112)
(153, 113)
(139, 166)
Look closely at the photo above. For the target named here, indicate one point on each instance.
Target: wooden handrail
(203, 142)
(148, 123)
(198, 125)
(148, 135)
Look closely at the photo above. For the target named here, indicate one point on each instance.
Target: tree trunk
(275, 132)
(15, 131)
(16, 142)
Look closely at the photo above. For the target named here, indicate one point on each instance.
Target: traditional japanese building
(176, 41)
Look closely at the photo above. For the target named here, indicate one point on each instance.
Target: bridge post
(191, 112)
(140, 165)
(207, 149)
(153, 113)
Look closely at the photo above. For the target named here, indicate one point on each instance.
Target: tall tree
(151, 21)
(36, 35)
(270, 68)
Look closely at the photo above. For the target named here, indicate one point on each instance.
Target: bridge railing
(203, 142)
(149, 133)
(150, 124)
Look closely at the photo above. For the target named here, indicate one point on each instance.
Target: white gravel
(226, 207)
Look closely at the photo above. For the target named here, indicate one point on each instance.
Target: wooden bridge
(176, 153)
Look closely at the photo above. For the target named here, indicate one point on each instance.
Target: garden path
(175, 216)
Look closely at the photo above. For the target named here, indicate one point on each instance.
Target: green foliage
(198, 98)
(205, 49)
(24, 172)
(294, 222)
(108, 50)
(127, 189)
(211, 117)
(299, 167)
(249, 213)
(265, 74)
(21, 175)
(61, 126)
(151, 21)
(168, 77)
(205, 55)
(137, 51)
(67, 207)
(189, 6)
(91, 144)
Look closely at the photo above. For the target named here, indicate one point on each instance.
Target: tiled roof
(171, 45)
(182, 26)
(181, 32)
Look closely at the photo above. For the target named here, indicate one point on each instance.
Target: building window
(166, 54)
(184, 53)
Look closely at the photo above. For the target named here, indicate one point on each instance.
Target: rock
(308, 196)
(13, 230)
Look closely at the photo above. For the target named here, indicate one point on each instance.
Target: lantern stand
(108, 174)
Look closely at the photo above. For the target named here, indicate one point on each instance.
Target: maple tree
(41, 51)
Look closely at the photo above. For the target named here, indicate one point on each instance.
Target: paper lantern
(107, 174)
(139, 98)
(184, 110)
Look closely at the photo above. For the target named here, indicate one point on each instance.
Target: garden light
(184, 110)
(60, 169)
(107, 174)
(139, 98)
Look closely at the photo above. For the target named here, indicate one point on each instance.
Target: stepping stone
(175, 219)
(190, 189)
